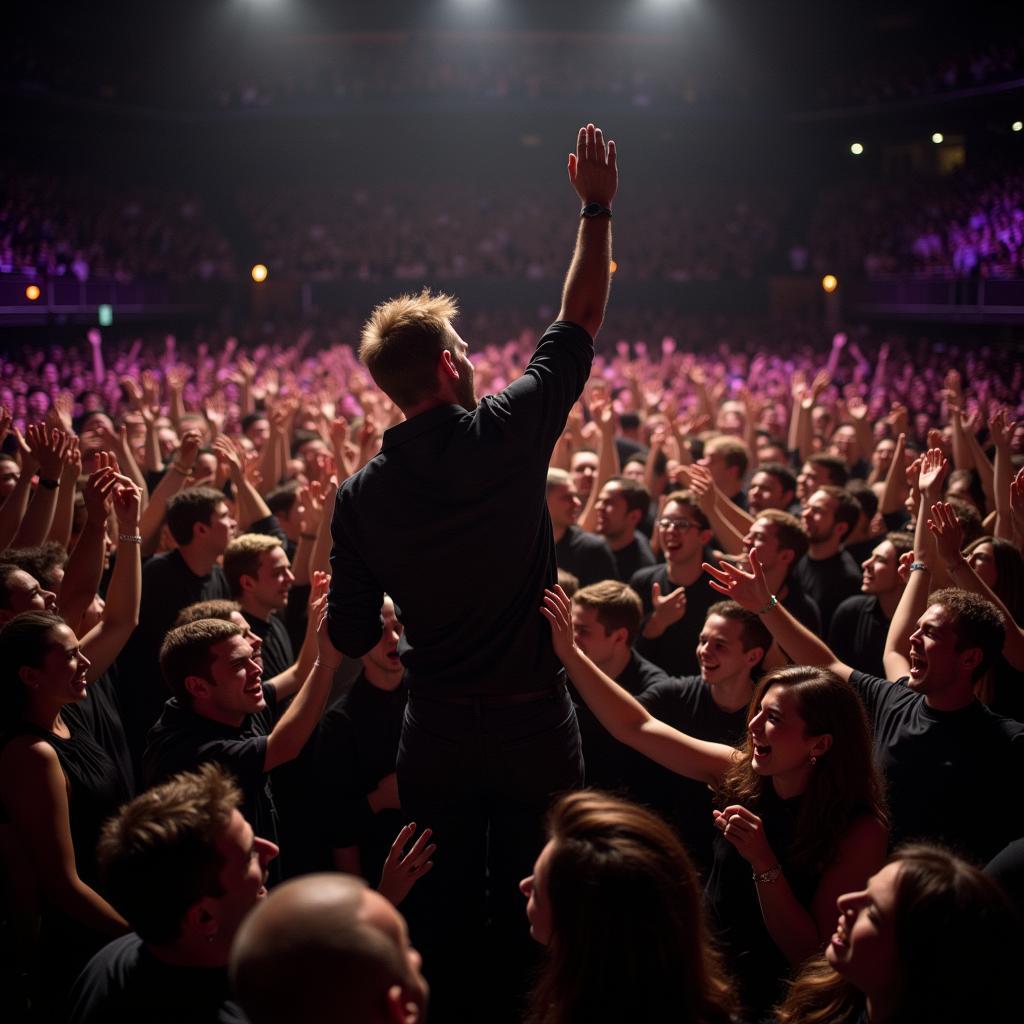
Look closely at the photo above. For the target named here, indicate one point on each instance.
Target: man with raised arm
(457, 488)
(953, 767)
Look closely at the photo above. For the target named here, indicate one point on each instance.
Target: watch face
(593, 210)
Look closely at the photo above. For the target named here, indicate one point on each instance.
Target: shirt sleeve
(877, 694)
(355, 597)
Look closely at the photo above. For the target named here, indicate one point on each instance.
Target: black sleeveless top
(752, 956)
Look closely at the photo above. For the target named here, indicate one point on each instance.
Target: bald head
(326, 948)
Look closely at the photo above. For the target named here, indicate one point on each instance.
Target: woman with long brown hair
(802, 817)
(616, 901)
(929, 940)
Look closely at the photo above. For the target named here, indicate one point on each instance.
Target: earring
(814, 760)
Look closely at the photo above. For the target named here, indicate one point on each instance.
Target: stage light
(612, 267)
(938, 138)
(32, 292)
(259, 273)
(856, 148)
(829, 283)
(1017, 126)
(105, 314)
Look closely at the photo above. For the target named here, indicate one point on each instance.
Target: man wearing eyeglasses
(676, 594)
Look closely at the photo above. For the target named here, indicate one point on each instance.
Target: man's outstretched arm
(594, 176)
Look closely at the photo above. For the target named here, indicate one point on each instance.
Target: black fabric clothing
(296, 613)
(586, 556)
(168, 586)
(449, 493)
(181, 741)
(860, 551)
(606, 761)
(100, 716)
(858, 631)
(277, 653)
(636, 555)
(751, 954)
(1007, 868)
(953, 776)
(827, 581)
(686, 704)
(96, 789)
(125, 984)
(801, 607)
(675, 650)
(357, 747)
(1007, 689)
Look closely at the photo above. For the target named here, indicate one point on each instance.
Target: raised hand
(402, 870)
(98, 493)
(933, 471)
(191, 442)
(229, 456)
(903, 569)
(592, 168)
(748, 589)
(1017, 502)
(1001, 427)
(947, 531)
(127, 500)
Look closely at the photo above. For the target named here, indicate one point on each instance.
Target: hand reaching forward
(403, 870)
(745, 831)
(557, 609)
(933, 471)
(748, 589)
(592, 169)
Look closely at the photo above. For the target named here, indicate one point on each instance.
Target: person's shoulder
(1008, 729)
(116, 956)
(643, 578)
(878, 690)
(675, 688)
(855, 605)
(26, 752)
(584, 539)
(565, 331)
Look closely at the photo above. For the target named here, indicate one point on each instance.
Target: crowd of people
(968, 225)
(291, 637)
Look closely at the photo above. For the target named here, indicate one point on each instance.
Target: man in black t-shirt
(183, 866)
(710, 706)
(827, 574)
(621, 507)
(675, 594)
(260, 577)
(222, 712)
(586, 555)
(606, 620)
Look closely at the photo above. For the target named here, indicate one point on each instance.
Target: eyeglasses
(676, 524)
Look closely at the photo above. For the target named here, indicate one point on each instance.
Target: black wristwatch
(595, 210)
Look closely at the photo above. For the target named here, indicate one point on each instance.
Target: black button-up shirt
(450, 519)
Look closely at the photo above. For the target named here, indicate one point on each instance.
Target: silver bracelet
(765, 877)
(130, 538)
(326, 664)
(916, 566)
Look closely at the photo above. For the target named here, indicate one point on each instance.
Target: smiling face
(24, 594)
(880, 572)
(234, 688)
(61, 678)
(270, 586)
(584, 469)
(819, 516)
(766, 491)
(538, 904)
(763, 537)
(614, 519)
(863, 949)
(780, 745)
(720, 652)
(564, 505)
(682, 537)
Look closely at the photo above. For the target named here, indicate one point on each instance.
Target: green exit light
(106, 315)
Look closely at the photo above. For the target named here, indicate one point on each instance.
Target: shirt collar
(409, 430)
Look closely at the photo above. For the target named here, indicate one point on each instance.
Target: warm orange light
(829, 283)
(32, 292)
(259, 273)
(613, 266)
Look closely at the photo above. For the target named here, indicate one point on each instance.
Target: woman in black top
(930, 940)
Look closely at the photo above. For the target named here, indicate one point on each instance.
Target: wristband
(326, 664)
(915, 566)
(130, 538)
(49, 483)
(769, 606)
(769, 876)
(595, 210)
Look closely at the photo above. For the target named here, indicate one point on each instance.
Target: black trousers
(481, 775)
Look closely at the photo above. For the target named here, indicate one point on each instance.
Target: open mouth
(762, 750)
(917, 665)
(255, 690)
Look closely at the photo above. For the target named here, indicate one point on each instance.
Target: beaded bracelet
(769, 606)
